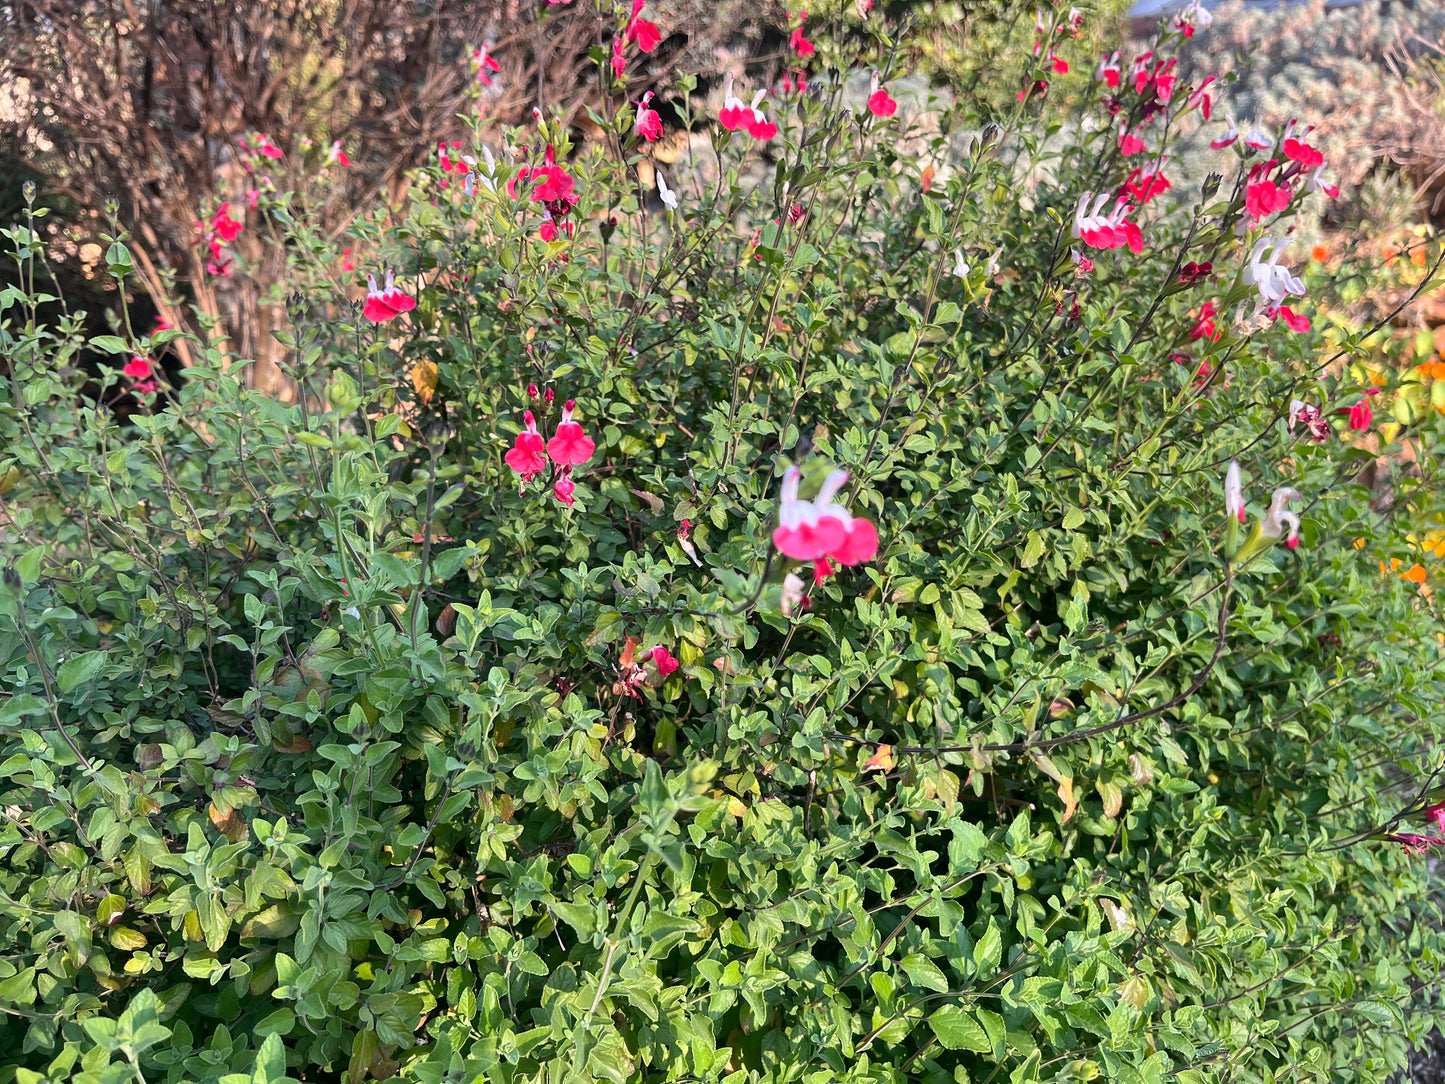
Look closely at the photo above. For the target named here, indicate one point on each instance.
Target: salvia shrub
(871, 597)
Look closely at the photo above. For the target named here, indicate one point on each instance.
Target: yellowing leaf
(1066, 795)
(127, 939)
(1113, 796)
(424, 376)
(882, 760)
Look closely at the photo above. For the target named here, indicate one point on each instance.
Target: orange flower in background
(1437, 370)
(1417, 256)
(1359, 543)
(1319, 253)
(1415, 574)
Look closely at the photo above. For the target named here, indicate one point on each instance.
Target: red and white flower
(336, 156)
(802, 533)
(1202, 98)
(820, 529)
(1147, 181)
(1194, 16)
(1258, 139)
(1110, 71)
(1140, 72)
(1098, 230)
(1230, 136)
(1317, 184)
(860, 537)
(383, 305)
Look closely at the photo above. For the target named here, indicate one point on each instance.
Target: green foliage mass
(327, 751)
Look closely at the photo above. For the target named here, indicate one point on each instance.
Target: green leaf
(924, 972)
(78, 670)
(957, 1030)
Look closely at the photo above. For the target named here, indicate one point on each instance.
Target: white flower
(792, 593)
(959, 267)
(668, 196)
(1233, 492)
(1279, 517)
(1275, 283)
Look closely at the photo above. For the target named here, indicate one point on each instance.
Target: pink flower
(484, 63)
(1129, 143)
(1058, 63)
(550, 183)
(137, 367)
(800, 44)
(880, 103)
(619, 60)
(336, 155)
(1297, 150)
(1361, 415)
(1314, 422)
(563, 489)
(162, 324)
(1265, 197)
(569, 445)
(1436, 813)
(259, 144)
(1205, 326)
(648, 124)
(644, 33)
(1164, 78)
(346, 264)
(223, 225)
(1147, 181)
(1296, 322)
(664, 659)
(383, 305)
(528, 457)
